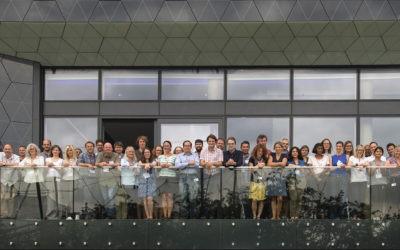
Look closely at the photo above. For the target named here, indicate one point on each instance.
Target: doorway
(128, 130)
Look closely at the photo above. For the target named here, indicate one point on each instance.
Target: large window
(380, 129)
(325, 84)
(70, 131)
(258, 84)
(177, 133)
(311, 130)
(192, 85)
(248, 128)
(380, 84)
(130, 85)
(71, 85)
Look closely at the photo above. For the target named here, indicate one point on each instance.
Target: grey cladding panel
(192, 108)
(383, 108)
(71, 108)
(126, 108)
(258, 108)
(323, 108)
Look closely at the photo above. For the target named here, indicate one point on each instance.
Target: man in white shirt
(9, 177)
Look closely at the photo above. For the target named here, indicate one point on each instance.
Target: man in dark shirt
(232, 158)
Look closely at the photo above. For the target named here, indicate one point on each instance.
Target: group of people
(153, 180)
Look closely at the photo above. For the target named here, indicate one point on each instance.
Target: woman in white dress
(67, 183)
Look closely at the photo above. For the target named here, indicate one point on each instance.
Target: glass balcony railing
(221, 193)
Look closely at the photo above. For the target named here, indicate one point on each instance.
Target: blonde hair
(176, 148)
(360, 147)
(73, 153)
(134, 155)
(28, 154)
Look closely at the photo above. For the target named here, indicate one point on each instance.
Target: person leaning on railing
(168, 181)
(276, 182)
(358, 182)
(33, 159)
(394, 190)
(147, 181)
(189, 180)
(258, 179)
(53, 179)
(379, 186)
(297, 182)
(9, 177)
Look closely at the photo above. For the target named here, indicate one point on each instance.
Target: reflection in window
(177, 133)
(379, 129)
(325, 84)
(70, 131)
(71, 85)
(311, 130)
(246, 128)
(258, 84)
(378, 84)
(192, 85)
(130, 85)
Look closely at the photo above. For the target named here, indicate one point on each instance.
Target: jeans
(108, 196)
(188, 190)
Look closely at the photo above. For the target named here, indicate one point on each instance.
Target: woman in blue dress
(147, 181)
(276, 184)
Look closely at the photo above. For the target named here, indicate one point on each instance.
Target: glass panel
(311, 130)
(379, 84)
(258, 84)
(71, 85)
(130, 84)
(324, 84)
(178, 133)
(192, 85)
(70, 131)
(382, 130)
(274, 128)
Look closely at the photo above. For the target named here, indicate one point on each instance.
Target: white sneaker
(69, 218)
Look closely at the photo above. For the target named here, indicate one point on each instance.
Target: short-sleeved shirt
(211, 156)
(33, 175)
(356, 174)
(343, 159)
(167, 172)
(129, 174)
(393, 171)
(318, 164)
(87, 158)
(9, 175)
(109, 177)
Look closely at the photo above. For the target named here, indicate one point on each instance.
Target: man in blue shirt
(189, 180)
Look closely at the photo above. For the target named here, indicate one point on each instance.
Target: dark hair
(22, 146)
(317, 145)
(212, 137)
(222, 139)
(198, 141)
(261, 136)
(330, 145)
(60, 155)
(379, 147)
(170, 144)
(245, 142)
(345, 144)
(231, 138)
(142, 158)
(390, 144)
(290, 156)
(99, 140)
(373, 142)
(183, 144)
(255, 150)
(340, 142)
(118, 143)
(89, 142)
